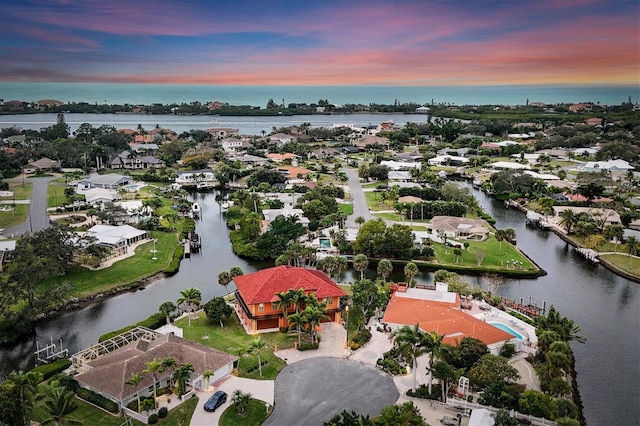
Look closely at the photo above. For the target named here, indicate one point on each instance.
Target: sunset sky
(305, 42)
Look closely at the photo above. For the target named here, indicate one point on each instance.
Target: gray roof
(108, 179)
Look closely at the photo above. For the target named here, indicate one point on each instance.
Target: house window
(261, 307)
(329, 300)
(274, 306)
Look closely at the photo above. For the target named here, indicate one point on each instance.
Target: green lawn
(55, 193)
(347, 208)
(233, 339)
(625, 262)
(496, 258)
(20, 191)
(374, 203)
(123, 272)
(86, 414)
(255, 414)
(18, 215)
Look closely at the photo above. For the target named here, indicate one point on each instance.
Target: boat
(195, 210)
(194, 242)
(477, 183)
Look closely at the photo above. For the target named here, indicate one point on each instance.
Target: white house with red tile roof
(257, 300)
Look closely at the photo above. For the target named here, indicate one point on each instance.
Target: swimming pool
(134, 187)
(505, 327)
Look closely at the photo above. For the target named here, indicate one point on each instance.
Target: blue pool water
(133, 186)
(505, 327)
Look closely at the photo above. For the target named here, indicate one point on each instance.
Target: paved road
(360, 207)
(38, 218)
(311, 391)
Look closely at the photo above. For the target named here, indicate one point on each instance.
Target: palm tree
(360, 220)
(224, 278)
(284, 301)
(447, 374)
(314, 314)
(240, 400)
(360, 263)
(207, 375)
(297, 321)
(434, 346)
(58, 402)
(182, 375)
(341, 265)
(134, 381)
(568, 219)
(167, 308)
(170, 363)
(501, 235)
(27, 387)
(258, 345)
(190, 298)
(410, 344)
(410, 272)
(148, 405)
(385, 267)
(236, 271)
(154, 367)
(632, 244)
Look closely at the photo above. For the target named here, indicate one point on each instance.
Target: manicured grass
(123, 272)
(15, 217)
(374, 203)
(625, 262)
(20, 191)
(346, 208)
(179, 416)
(497, 258)
(233, 339)
(86, 414)
(55, 193)
(255, 414)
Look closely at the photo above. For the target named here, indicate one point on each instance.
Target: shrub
(67, 382)
(153, 419)
(362, 336)
(507, 350)
(308, 346)
(98, 400)
(163, 412)
(174, 266)
(255, 367)
(51, 369)
(423, 392)
(391, 366)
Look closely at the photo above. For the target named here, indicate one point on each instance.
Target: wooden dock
(590, 255)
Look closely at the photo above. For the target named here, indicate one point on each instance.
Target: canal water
(605, 306)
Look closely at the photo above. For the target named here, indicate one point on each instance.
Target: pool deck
(493, 314)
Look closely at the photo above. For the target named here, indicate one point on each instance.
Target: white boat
(195, 209)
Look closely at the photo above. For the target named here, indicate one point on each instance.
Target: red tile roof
(262, 286)
(442, 318)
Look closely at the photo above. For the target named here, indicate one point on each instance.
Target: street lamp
(346, 308)
(154, 251)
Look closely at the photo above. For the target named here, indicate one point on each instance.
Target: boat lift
(50, 352)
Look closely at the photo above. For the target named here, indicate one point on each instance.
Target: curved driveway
(311, 391)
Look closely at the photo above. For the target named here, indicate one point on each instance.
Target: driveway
(38, 217)
(311, 391)
(259, 389)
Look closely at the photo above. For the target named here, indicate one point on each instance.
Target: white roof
(108, 179)
(398, 175)
(272, 214)
(399, 165)
(481, 417)
(441, 158)
(422, 294)
(506, 143)
(508, 165)
(99, 194)
(607, 165)
(7, 245)
(543, 176)
(109, 231)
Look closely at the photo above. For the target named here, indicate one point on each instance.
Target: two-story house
(257, 301)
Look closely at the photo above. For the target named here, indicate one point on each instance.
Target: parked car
(215, 400)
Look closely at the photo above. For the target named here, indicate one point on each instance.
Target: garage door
(268, 323)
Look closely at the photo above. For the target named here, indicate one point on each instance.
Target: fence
(465, 405)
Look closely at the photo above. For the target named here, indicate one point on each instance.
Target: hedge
(174, 266)
(156, 320)
(51, 369)
(98, 400)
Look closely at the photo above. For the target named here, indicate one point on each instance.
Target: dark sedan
(215, 400)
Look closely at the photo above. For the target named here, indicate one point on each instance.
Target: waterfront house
(121, 236)
(271, 214)
(440, 311)
(257, 301)
(234, 145)
(602, 217)
(104, 368)
(448, 160)
(109, 181)
(193, 177)
(125, 160)
(459, 227)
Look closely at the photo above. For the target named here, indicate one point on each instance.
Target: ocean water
(145, 94)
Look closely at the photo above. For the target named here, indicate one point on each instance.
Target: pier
(590, 255)
(49, 353)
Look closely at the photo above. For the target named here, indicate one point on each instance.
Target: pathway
(360, 207)
(38, 218)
